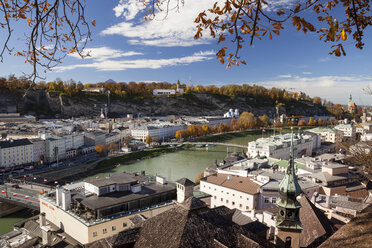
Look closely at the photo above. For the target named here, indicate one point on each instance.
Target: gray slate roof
(13, 143)
(203, 227)
(186, 182)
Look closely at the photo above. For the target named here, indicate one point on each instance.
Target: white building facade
(15, 152)
(328, 134)
(55, 148)
(349, 130)
(231, 191)
(38, 150)
(279, 146)
(156, 132)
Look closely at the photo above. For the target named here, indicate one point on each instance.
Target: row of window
(104, 230)
(232, 203)
(267, 200)
(227, 193)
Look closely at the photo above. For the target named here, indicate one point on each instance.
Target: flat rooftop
(95, 202)
(121, 178)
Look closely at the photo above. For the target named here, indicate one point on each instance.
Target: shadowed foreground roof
(198, 227)
(316, 226)
(356, 233)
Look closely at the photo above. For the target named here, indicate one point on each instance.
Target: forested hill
(71, 99)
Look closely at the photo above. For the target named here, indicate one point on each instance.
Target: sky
(126, 48)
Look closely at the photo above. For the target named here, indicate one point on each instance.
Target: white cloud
(306, 73)
(104, 53)
(334, 88)
(107, 63)
(285, 76)
(177, 28)
(173, 28)
(128, 8)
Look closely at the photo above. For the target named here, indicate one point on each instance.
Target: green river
(185, 163)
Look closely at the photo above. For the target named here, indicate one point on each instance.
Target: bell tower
(287, 221)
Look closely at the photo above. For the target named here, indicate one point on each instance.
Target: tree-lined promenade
(246, 121)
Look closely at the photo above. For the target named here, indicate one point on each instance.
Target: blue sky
(126, 48)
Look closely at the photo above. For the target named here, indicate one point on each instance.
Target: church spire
(289, 207)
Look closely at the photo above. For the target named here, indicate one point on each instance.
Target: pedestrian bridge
(205, 143)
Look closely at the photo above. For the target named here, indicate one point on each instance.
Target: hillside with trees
(72, 98)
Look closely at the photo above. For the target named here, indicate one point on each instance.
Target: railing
(205, 143)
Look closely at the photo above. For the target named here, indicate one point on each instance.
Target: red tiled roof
(243, 184)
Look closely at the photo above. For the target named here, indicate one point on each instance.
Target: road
(20, 196)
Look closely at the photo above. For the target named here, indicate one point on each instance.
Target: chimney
(46, 235)
(42, 219)
(66, 199)
(59, 196)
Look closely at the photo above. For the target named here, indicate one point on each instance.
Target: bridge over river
(24, 195)
(205, 143)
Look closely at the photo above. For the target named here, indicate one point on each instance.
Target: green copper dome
(289, 207)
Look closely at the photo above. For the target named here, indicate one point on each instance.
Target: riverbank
(238, 134)
(134, 156)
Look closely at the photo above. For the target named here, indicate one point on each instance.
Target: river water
(185, 163)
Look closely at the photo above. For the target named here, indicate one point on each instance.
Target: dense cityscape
(285, 181)
(185, 124)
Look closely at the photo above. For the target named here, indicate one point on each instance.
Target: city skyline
(126, 48)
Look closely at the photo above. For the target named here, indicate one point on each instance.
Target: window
(233, 194)
(113, 228)
(240, 205)
(227, 201)
(240, 197)
(215, 197)
(124, 224)
(221, 199)
(94, 234)
(288, 242)
(247, 207)
(233, 203)
(266, 200)
(104, 230)
(273, 200)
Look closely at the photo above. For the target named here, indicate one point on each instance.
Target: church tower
(287, 221)
(349, 104)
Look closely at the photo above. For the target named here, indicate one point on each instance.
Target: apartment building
(334, 178)
(231, 191)
(328, 134)
(38, 150)
(77, 141)
(55, 148)
(157, 131)
(113, 138)
(349, 130)
(279, 146)
(94, 138)
(15, 152)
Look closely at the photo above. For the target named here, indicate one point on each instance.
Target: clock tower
(287, 221)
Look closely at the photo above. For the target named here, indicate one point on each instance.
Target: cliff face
(49, 104)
